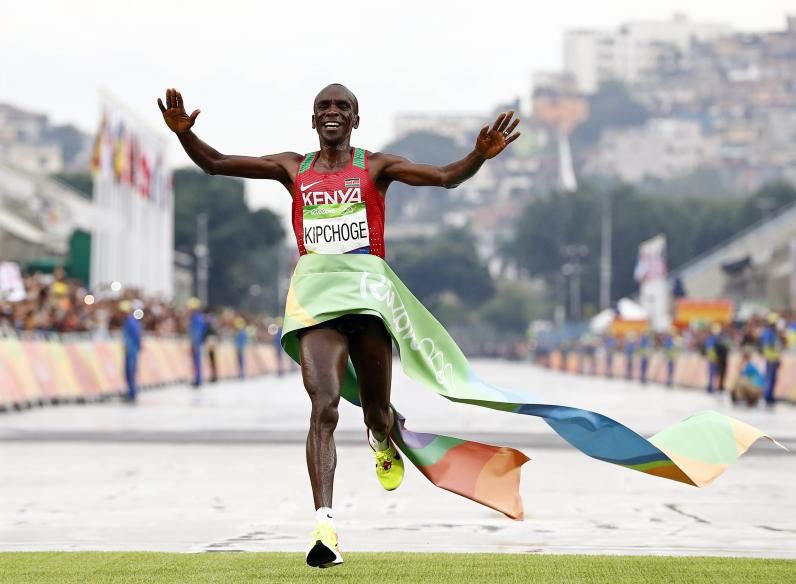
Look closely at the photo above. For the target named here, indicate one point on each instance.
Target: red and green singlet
(338, 212)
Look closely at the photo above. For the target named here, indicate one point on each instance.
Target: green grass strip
(382, 568)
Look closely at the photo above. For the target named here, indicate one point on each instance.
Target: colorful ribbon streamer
(694, 451)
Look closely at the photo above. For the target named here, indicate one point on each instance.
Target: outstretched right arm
(281, 167)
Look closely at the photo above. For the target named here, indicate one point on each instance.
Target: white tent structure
(602, 321)
(626, 310)
(630, 310)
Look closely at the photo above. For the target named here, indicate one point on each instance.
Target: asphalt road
(223, 469)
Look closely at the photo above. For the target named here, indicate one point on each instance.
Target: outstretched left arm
(490, 142)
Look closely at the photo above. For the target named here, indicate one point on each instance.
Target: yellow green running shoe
(389, 467)
(324, 551)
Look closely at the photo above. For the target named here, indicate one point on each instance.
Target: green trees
(513, 306)
(241, 241)
(692, 224)
(442, 267)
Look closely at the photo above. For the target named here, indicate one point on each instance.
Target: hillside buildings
(715, 99)
(633, 50)
(29, 142)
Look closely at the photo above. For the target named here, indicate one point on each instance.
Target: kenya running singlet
(338, 212)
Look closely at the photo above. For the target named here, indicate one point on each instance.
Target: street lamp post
(574, 268)
(202, 253)
(255, 291)
(605, 251)
(559, 311)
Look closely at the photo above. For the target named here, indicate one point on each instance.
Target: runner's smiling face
(335, 114)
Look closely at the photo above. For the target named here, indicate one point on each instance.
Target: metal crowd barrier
(42, 368)
(690, 369)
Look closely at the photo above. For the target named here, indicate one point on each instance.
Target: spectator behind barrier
(55, 303)
(751, 381)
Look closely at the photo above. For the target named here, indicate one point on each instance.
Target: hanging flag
(133, 191)
(130, 156)
(145, 176)
(96, 152)
(119, 151)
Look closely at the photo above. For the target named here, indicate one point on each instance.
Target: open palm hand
(174, 113)
(492, 141)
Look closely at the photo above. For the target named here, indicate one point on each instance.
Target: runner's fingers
(161, 106)
(506, 121)
(179, 98)
(498, 121)
(513, 125)
(513, 137)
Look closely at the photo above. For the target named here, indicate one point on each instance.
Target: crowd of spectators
(55, 303)
(760, 340)
(744, 335)
(747, 335)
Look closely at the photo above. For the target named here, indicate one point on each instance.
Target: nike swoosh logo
(304, 188)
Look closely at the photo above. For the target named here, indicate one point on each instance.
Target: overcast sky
(253, 67)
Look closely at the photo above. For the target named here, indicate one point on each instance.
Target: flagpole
(605, 251)
(202, 257)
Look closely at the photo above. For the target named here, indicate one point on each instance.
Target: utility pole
(574, 268)
(574, 291)
(560, 310)
(605, 252)
(202, 253)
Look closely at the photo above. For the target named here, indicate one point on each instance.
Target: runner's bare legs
(371, 354)
(324, 355)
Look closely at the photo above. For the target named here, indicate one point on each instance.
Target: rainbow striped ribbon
(694, 451)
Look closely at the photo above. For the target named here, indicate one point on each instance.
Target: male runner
(338, 207)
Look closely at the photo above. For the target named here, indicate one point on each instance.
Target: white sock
(376, 445)
(325, 515)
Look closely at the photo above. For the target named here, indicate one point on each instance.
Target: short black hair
(351, 93)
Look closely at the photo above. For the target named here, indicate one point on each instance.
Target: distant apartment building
(36, 158)
(663, 148)
(746, 84)
(729, 98)
(29, 142)
(17, 125)
(23, 143)
(557, 103)
(635, 48)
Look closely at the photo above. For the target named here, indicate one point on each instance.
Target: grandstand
(755, 268)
